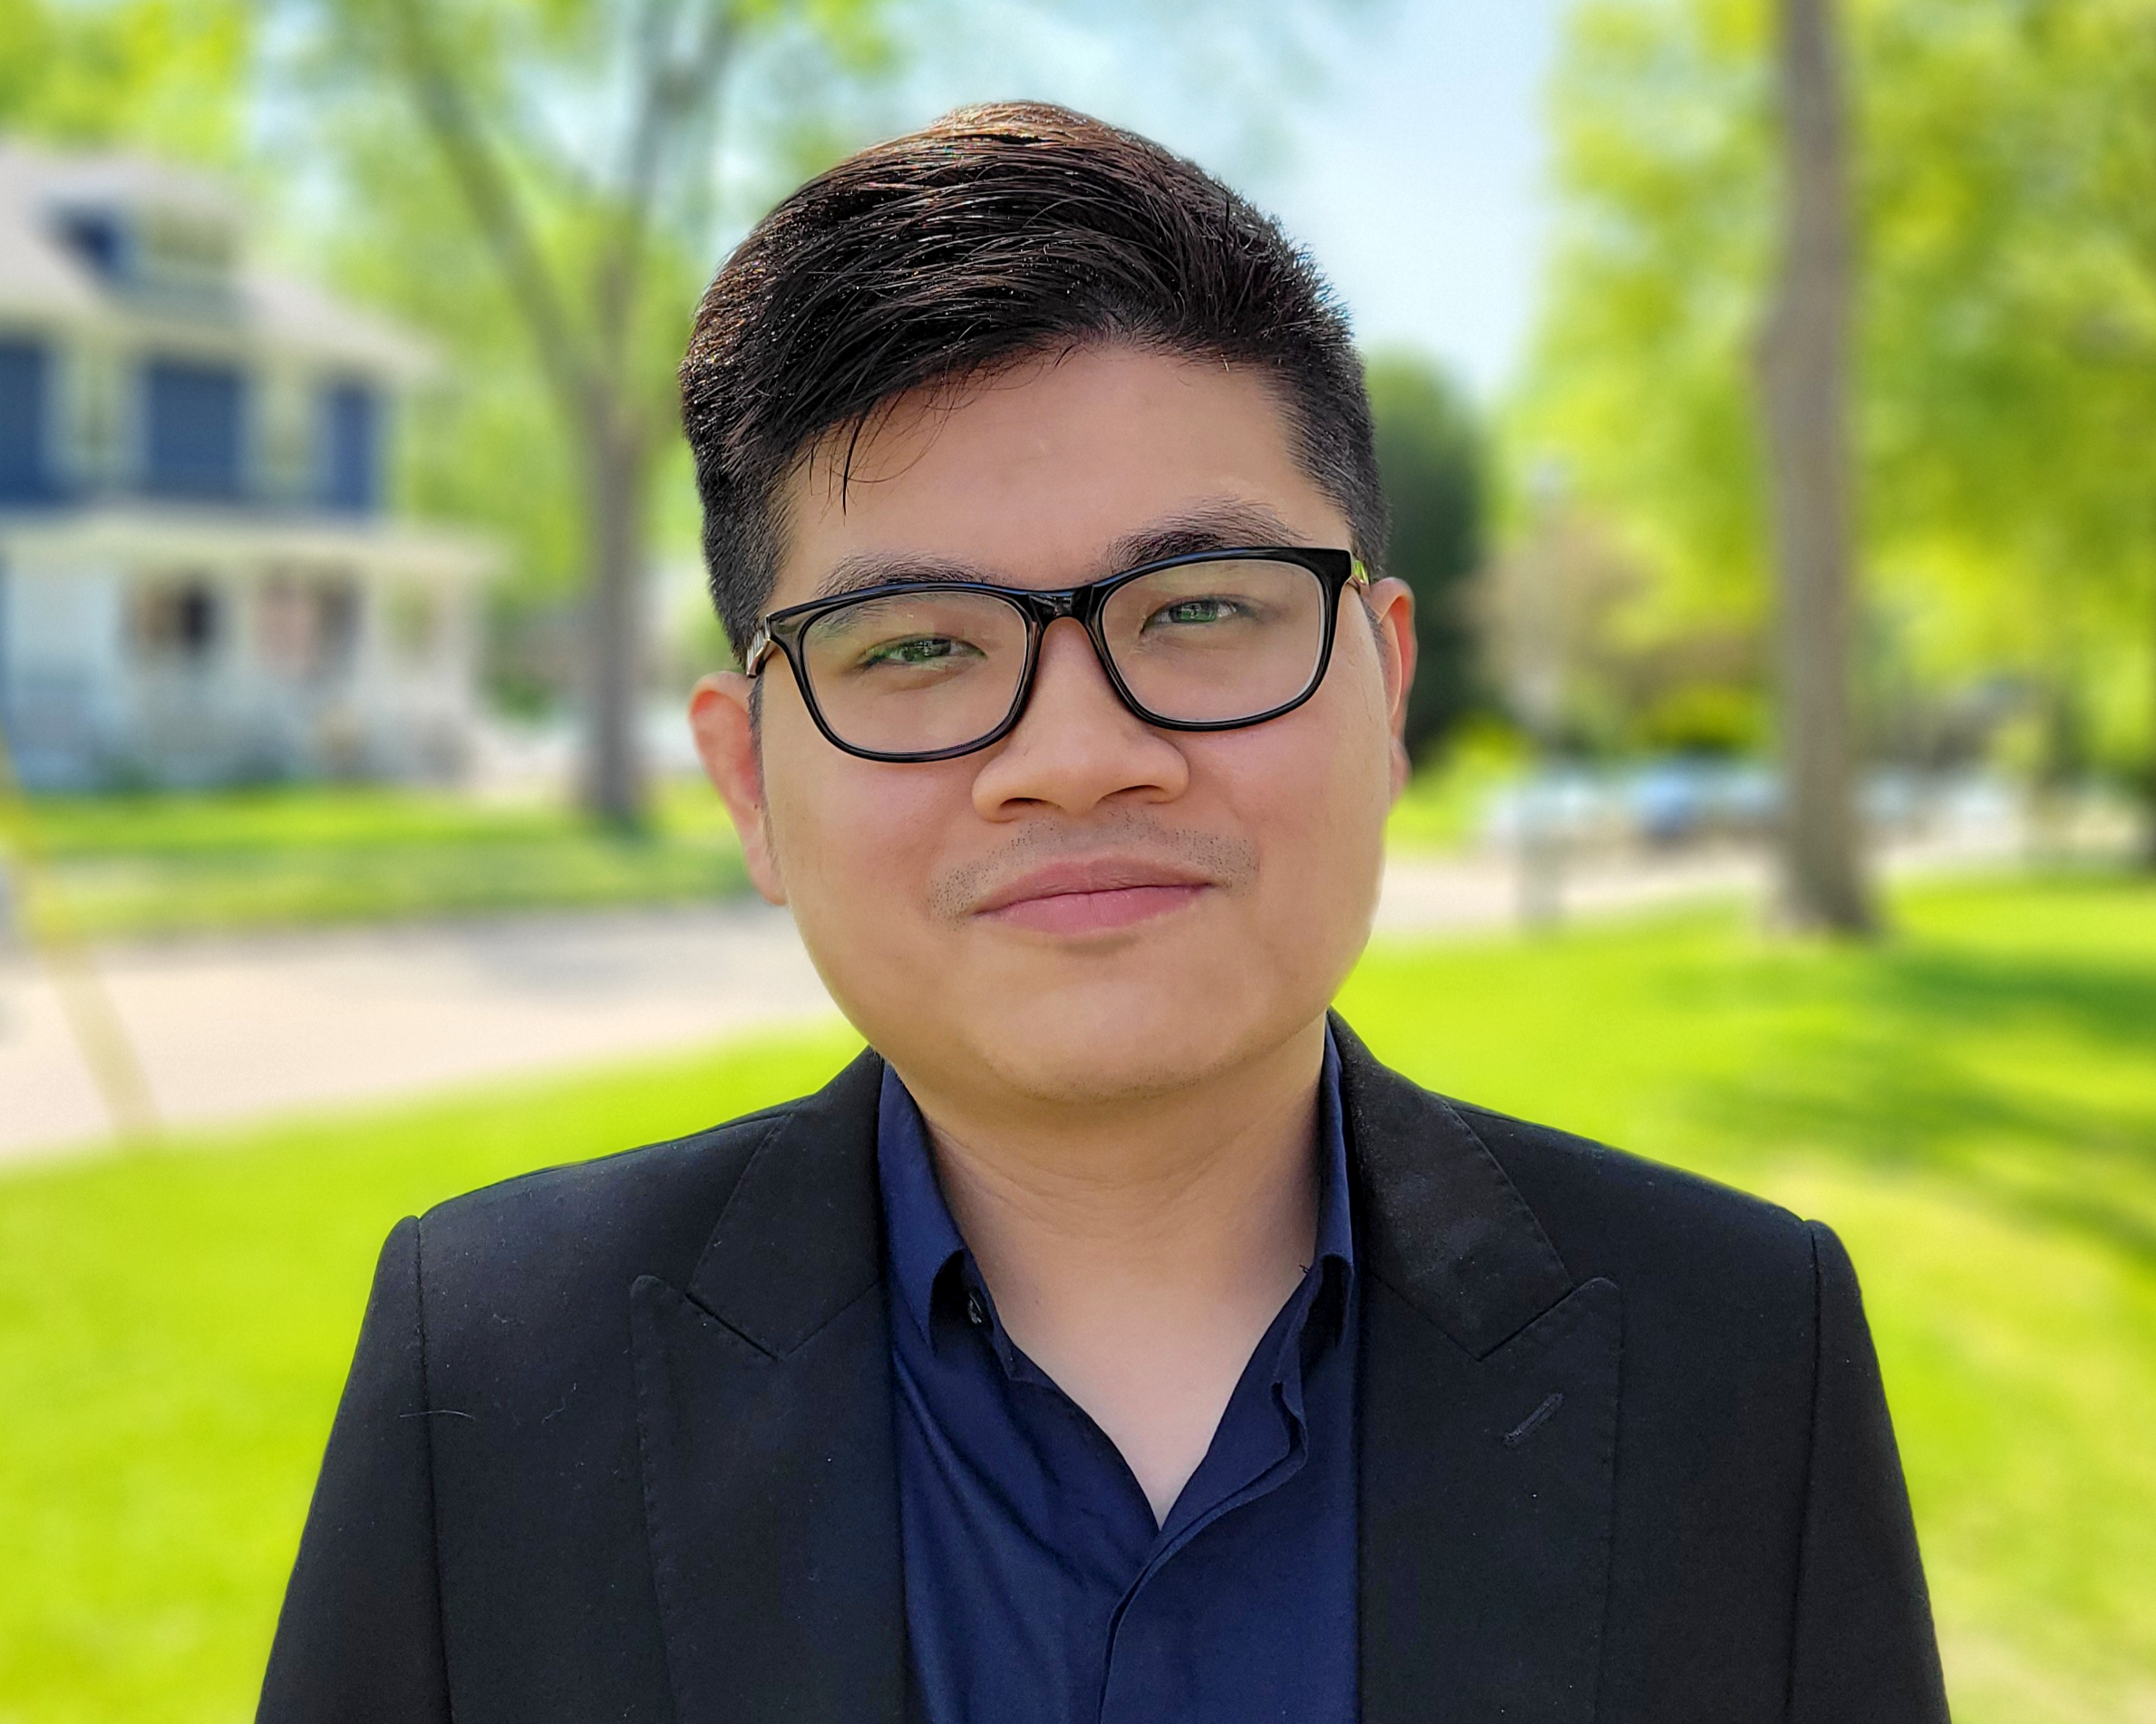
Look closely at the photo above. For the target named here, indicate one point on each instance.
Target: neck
(1138, 1250)
(1181, 1187)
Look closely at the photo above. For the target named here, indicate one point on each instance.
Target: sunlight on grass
(302, 856)
(1973, 1106)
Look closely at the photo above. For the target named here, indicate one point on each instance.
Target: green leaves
(167, 75)
(2007, 194)
(1430, 457)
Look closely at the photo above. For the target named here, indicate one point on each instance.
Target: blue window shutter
(26, 471)
(351, 463)
(193, 421)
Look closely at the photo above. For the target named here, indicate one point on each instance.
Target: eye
(1188, 611)
(921, 649)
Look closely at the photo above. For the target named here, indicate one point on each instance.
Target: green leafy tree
(2014, 348)
(169, 75)
(573, 145)
(2005, 343)
(1430, 454)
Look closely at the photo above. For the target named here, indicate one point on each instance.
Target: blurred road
(233, 1028)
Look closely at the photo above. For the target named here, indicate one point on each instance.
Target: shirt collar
(921, 1239)
(919, 1235)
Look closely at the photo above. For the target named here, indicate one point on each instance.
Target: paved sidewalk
(233, 1028)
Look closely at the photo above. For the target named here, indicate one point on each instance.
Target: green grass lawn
(1974, 1108)
(286, 857)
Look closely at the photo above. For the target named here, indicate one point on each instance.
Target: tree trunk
(615, 462)
(1804, 373)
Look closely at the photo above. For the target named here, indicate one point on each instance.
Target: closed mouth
(1093, 894)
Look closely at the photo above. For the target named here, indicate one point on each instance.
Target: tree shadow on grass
(1933, 1059)
(2109, 1005)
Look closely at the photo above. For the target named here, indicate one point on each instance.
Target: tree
(1430, 456)
(2002, 344)
(1804, 355)
(2020, 340)
(579, 141)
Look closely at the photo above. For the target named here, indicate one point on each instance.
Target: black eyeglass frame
(1336, 570)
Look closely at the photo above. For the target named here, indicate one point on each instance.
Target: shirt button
(974, 1313)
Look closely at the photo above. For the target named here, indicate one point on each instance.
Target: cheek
(1313, 789)
(857, 840)
(1320, 776)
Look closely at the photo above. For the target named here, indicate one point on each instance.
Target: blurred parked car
(1673, 801)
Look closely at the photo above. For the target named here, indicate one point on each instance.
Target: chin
(1114, 1045)
(1143, 1019)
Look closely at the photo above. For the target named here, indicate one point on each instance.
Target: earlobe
(726, 735)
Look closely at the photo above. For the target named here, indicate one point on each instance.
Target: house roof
(48, 278)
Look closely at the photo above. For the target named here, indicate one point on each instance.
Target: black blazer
(617, 1445)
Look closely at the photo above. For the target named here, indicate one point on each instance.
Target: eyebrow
(894, 568)
(1209, 527)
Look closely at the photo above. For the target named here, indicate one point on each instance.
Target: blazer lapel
(764, 1407)
(1489, 1430)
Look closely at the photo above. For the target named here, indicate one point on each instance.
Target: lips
(1091, 896)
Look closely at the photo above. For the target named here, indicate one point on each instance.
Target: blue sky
(1401, 140)
(1419, 181)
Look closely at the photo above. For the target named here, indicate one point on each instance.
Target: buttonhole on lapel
(1534, 1421)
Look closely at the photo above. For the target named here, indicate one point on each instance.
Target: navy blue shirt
(1038, 1588)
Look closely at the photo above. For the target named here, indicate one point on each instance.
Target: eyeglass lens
(1197, 642)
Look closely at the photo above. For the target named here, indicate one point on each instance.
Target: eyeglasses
(929, 670)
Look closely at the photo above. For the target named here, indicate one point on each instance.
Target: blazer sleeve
(1864, 1645)
(360, 1635)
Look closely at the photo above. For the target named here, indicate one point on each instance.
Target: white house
(197, 578)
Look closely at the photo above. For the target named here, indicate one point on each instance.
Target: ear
(727, 742)
(1392, 605)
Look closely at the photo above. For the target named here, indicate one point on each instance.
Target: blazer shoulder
(1645, 1224)
(546, 1234)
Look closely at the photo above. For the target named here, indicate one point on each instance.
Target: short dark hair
(996, 233)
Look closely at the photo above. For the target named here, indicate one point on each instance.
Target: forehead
(1038, 473)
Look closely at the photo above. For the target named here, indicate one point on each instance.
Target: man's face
(1091, 908)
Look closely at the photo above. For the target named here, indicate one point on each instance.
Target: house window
(24, 387)
(96, 237)
(178, 620)
(351, 447)
(193, 420)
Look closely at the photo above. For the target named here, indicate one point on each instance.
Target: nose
(1077, 746)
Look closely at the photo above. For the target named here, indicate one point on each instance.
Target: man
(1117, 1339)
